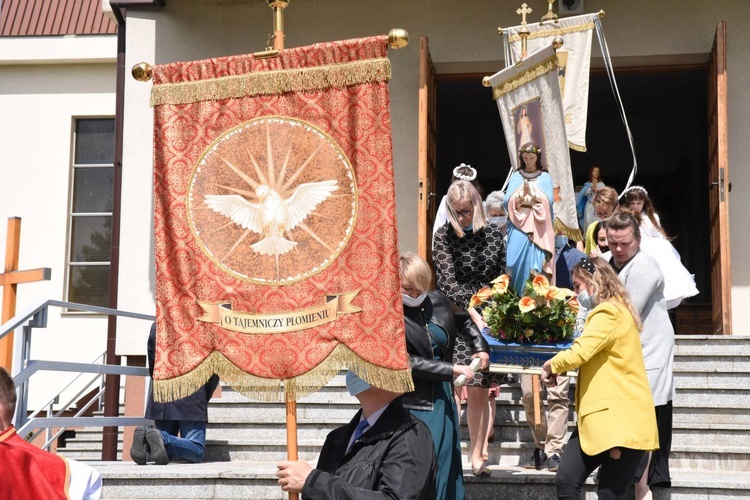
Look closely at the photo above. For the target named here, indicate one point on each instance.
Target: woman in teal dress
(531, 234)
(431, 330)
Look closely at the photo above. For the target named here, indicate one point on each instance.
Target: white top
(441, 216)
(85, 481)
(679, 284)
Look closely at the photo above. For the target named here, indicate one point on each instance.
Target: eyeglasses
(603, 215)
(464, 213)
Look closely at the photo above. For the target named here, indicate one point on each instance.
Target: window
(91, 212)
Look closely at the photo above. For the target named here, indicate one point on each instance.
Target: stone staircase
(245, 439)
(85, 443)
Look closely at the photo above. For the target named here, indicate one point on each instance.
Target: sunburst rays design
(274, 205)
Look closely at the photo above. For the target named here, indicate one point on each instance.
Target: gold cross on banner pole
(9, 280)
(524, 31)
(525, 9)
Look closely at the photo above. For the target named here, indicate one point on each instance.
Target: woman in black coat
(431, 330)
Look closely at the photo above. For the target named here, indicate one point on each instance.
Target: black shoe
(553, 463)
(139, 451)
(158, 451)
(537, 460)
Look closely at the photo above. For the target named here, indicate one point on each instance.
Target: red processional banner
(275, 222)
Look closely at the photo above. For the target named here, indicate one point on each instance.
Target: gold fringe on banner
(530, 74)
(555, 32)
(275, 390)
(576, 147)
(273, 82)
(572, 234)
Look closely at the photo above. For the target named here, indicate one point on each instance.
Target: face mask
(354, 384)
(412, 301)
(468, 228)
(560, 242)
(499, 220)
(586, 301)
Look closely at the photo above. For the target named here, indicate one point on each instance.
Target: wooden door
(719, 185)
(427, 146)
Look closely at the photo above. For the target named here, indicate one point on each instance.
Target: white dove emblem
(272, 215)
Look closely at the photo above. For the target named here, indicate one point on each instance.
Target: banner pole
(291, 437)
(278, 7)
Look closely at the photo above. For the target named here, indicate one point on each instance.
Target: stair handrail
(35, 316)
(72, 400)
(66, 406)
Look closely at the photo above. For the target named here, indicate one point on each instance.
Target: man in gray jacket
(642, 277)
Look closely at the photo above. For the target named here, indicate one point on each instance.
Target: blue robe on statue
(523, 253)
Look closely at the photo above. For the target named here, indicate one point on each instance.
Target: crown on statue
(530, 148)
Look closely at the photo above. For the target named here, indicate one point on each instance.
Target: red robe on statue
(30, 473)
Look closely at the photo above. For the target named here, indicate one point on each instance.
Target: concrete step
(711, 415)
(702, 345)
(86, 455)
(705, 456)
(707, 434)
(85, 445)
(710, 458)
(257, 480)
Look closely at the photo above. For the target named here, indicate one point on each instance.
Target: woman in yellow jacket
(616, 422)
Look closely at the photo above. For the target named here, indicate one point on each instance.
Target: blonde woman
(468, 254)
(616, 421)
(431, 334)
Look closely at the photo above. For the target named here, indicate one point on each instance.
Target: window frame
(71, 215)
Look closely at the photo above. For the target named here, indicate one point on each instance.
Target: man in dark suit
(384, 452)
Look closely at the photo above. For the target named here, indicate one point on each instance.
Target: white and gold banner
(530, 105)
(574, 60)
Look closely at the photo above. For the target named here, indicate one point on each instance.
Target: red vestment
(30, 473)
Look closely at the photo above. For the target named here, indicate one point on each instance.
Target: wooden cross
(9, 280)
(523, 11)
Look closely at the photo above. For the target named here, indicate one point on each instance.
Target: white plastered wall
(45, 83)
(136, 280)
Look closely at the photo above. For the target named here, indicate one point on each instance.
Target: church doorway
(666, 108)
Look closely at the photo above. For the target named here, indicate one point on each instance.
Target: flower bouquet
(544, 317)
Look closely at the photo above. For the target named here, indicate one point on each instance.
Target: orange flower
(540, 285)
(503, 278)
(555, 293)
(480, 297)
(500, 287)
(573, 303)
(526, 304)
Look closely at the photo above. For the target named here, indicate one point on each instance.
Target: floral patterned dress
(462, 267)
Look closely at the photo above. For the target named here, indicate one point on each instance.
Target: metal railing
(36, 316)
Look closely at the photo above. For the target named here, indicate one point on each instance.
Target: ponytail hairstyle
(604, 283)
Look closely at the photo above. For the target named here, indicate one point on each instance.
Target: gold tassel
(530, 74)
(576, 147)
(275, 390)
(572, 234)
(273, 82)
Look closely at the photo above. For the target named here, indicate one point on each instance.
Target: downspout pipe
(112, 382)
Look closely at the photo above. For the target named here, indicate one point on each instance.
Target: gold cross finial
(523, 11)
